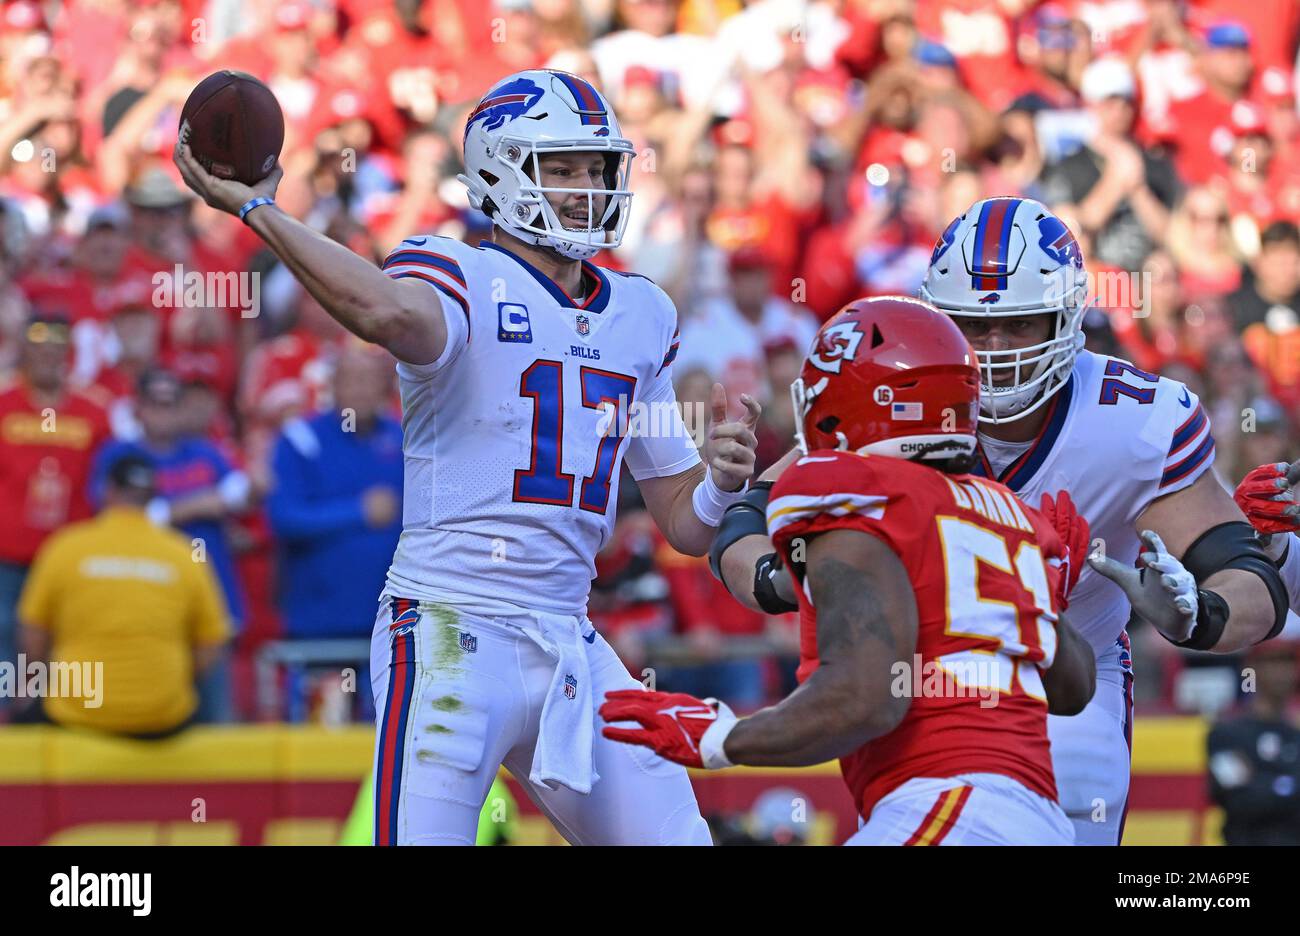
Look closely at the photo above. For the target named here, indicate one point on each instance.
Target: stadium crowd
(793, 156)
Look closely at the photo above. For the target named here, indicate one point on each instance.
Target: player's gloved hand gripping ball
(1075, 536)
(675, 725)
(1267, 496)
(1161, 591)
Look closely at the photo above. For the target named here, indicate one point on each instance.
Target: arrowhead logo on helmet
(835, 344)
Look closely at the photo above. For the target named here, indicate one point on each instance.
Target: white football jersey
(1116, 438)
(511, 442)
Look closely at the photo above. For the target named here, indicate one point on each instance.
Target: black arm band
(1233, 545)
(765, 594)
(746, 517)
(1211, 619)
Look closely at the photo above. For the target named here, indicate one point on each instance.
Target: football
(234, 126)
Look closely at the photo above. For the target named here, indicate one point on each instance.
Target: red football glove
(677, 726)
(1267, 496)
(1075, 536)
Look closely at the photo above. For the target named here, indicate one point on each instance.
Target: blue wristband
(253, 203)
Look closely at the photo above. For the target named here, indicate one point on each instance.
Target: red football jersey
(980, 565)
(46, 454)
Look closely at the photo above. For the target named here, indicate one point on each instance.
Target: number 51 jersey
(513, 438)
(983, 568)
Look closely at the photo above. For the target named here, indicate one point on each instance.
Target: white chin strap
(565, 248)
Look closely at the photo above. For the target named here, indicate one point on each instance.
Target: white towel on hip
(566, 732)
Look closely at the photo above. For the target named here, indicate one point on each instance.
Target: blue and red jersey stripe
(671, 354)
(1180, 470)
(1188, 430)
(411, 257)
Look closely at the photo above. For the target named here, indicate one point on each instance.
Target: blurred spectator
(648, 37)
(1122, 193)
(1266, 308)
(1202, 245)
(336, 505)
(1201, 126)
(1149, 331)
(1270, 292)
(781, 816)
(197, 490)
(1254, 757)
(49, 435)
(120, 593)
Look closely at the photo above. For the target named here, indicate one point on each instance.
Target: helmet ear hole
(876, 338)
(488, 177)
(828, 424)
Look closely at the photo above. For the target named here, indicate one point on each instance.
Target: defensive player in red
(930, 599)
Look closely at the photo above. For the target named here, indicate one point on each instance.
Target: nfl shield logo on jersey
(468, 642)
(584, 325)
(570, 686)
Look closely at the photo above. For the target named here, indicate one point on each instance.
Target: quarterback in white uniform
(528, 375)
(1134, 451)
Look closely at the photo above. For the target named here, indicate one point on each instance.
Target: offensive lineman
(518, 363)
(911, 574)
(1134, 451)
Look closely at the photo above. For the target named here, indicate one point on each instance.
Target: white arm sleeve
(660, 443)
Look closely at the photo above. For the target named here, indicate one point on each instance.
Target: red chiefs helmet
(889, 376)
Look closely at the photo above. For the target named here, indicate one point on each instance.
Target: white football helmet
(1004, 258)
(531, 113)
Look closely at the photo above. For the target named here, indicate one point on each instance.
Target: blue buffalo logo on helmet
(1058, 243)
(508, 102)
(945, 241)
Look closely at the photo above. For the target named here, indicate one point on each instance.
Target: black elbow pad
(1233, 545)
(746, 517)
(765, 572)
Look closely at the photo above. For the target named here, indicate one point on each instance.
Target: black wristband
(765, 571)
(746, 517)
(1211, 619)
